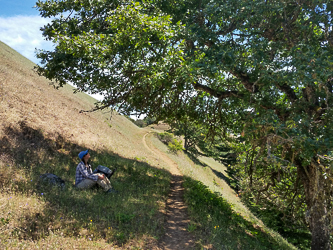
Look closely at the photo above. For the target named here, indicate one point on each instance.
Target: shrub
(166, 138)
(140, 123)
(175, 146)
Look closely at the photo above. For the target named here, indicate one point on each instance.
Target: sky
(20, 25)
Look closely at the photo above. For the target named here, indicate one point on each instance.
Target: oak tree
(258, 68)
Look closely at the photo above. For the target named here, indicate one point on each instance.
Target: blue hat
(82, 154)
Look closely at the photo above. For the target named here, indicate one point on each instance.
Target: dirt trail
(176, 236)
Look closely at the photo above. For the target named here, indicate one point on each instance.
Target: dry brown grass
(39, 122)
(29, 98)
(40, 125)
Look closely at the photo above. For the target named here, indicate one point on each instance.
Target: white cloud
(23, 34)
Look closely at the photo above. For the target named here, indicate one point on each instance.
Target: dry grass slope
(42, 131)
(30, 99)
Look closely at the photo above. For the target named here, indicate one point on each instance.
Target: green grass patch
(35, 211)
(219, 225)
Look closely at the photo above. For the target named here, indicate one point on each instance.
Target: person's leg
(105, 183)
(86, 184)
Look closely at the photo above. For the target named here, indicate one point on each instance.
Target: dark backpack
(104, 170)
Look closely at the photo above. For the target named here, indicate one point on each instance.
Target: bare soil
(176, 235)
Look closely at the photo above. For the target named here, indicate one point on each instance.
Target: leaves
(258, 68)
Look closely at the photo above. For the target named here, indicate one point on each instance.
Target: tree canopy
(258, 68)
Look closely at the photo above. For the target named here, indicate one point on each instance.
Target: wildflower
(60, 218)
(42, 193)
(89, 238)
(91, 220)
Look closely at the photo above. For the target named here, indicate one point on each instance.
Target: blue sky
(17, 7)
(20, 25)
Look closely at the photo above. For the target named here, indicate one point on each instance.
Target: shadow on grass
(217, 224)
(232, 182)
(195, 159)
(116, 218)
(91, 214)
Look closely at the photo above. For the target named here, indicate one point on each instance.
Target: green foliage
(198, 140)
(149, 120)
(295, 232)
(263, 69)
(192, 132)
(175, 146)
(140, 123)
(4, 221)
(165, 137)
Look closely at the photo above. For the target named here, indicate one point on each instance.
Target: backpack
(104, 170)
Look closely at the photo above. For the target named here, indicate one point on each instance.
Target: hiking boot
(112, 191)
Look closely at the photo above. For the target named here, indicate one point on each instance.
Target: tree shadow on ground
(116, 218)
(219, 225)
(231, 181)
(195, 159)
(92, 214)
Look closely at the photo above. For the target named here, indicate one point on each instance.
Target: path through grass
(218, 219)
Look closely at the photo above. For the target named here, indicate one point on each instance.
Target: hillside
(42, 131)
(28, 98)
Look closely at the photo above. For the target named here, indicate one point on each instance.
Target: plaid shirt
(82, 172)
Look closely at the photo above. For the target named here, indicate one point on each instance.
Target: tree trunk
(314, 186)
(185, 138)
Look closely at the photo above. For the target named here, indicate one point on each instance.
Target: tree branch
(245, 79)
(288, 91)
(216, 93)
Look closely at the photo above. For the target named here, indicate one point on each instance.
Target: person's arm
(84, 171)
(101, 176)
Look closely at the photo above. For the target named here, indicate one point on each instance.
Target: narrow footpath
(176, 236)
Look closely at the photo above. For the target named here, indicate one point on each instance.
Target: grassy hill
(42, 131)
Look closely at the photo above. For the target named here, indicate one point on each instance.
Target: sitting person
(85, 178)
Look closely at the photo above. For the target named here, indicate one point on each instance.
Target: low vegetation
(43, 131)
(173, 144)
(219, 219)
(219, 224)
(37, 212)
(142, 122)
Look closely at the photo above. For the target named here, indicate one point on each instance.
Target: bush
(175, 146)
(166, 138)
(140, 123)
